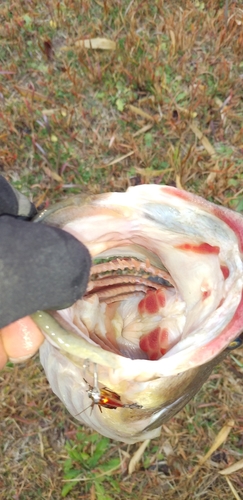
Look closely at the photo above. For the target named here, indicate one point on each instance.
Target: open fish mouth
(133, 292)
(163, 302)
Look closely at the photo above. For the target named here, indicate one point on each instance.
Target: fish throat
(127, 306)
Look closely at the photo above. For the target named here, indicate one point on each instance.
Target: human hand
(41, 267)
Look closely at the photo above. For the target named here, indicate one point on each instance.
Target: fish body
(163, 303)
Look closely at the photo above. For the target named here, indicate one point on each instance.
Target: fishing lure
(107, 399)
(104, 397)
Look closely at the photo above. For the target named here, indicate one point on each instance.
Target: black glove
(41, 267)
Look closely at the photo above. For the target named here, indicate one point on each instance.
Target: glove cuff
(14, 203)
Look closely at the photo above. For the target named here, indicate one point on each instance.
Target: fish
(163, 306)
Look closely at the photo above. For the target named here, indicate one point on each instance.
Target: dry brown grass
(35, 427)
(166, 106)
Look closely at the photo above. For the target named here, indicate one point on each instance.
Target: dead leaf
(143, 130)
(52, 174)
(92, 492)
(205, 142)
(211, 178)
(191, 114)
(50, 112)
(41, 198)
(178, 182)
(220, 439)
(54, 111)
(173, 41)
(137, 456)
(233, 468)
(47, 49)
(54, 138)
(167, 448)
(117, 160)
(237, 497)
(25, 92)
(96, 44)
(140, 112)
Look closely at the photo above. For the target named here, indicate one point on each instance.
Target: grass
(94, 467)
(166, 107)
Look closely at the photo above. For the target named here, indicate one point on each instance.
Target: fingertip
(3, 355)
(21, 339)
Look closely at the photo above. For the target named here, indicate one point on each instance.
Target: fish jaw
(200, 245)
(162, 398)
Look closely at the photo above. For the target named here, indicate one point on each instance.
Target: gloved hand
(41, 267)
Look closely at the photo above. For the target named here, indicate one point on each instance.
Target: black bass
(163, 302)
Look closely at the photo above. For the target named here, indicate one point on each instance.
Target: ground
(159, 101)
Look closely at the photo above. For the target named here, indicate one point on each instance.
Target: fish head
(163, 303)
